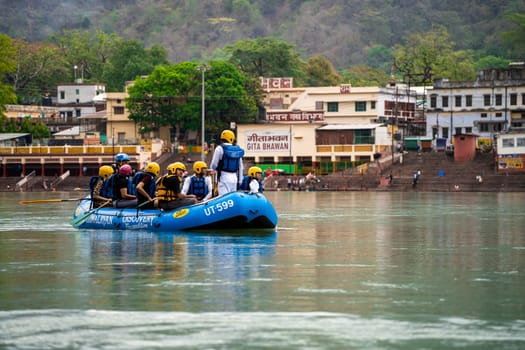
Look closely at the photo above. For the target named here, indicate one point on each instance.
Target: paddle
(79, 221)
(31, 201)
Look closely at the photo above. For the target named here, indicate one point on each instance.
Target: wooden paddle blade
(40, 201)
(55, 200)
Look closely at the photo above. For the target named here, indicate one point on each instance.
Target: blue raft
(236, 210)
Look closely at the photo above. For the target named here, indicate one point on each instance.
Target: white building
(492, 104)
(327, 124)
(76, 99)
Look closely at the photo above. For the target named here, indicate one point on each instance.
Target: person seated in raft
(169, 195)
(98, 186)
(123, 187)
(199, 184)
(252, 182)
(145, 185)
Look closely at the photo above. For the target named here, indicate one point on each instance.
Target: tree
(129, 60)
(488, 62)
(319, 71)
(89, 52)
(362, 75)
(266, 57)
(430, 55)
(171, 96)
(380, 57)
(7, 65)
(39, 67)
(516, 37)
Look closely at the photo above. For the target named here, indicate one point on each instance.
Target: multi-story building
(492, 104)
(327, 124)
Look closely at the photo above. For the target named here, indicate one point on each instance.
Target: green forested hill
(341, 30)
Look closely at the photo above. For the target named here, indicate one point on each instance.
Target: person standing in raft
(199, 184)
(97, 185)
(145, 185)
(252, 182)
(227, 163)
(123, 198)
(169, 195)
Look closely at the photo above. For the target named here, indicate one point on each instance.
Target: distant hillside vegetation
(342, 30)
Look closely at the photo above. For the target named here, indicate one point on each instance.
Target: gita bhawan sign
(267, 141)
(295, 116)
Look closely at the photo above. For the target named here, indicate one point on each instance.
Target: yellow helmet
(254, 170)
(105, 171)
(153, 168)
(199, 167)
(172, 168)
(228, 135)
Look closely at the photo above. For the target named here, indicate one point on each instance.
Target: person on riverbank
(145, 185)
(227, 163)
(97, 185)
(252, 182)
(199, 184)
(169, 195)
(123, 198)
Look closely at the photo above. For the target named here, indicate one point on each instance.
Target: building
(327, 125)
(492, 104)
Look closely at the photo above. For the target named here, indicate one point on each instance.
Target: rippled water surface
(356, 270)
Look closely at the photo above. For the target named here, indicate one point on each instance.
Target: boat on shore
(236, 210)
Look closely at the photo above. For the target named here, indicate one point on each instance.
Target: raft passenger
(169, 195)
(252, 182)
(199, 184)
(227, 163)
(97, 185)
(122, 189)
(145, 185)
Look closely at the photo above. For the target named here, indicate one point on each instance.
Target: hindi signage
(295, 116)
(267, 141)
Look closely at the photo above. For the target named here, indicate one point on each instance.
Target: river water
(343, 270)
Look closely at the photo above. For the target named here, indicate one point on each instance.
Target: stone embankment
(439, 173)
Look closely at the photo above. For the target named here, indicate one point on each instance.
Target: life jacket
(245, 185)
(231, 158)
(163, 193)
(198, 187)
(108, 187)
(138, 178)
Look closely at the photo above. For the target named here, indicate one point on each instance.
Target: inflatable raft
(236, 210)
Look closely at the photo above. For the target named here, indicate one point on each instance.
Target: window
(62, 95)
(332, 107)
(77, 112)
(118, 110)
(499, 99)
(520, 141)
(433, 101)
(444, 101)
(499, 115)
(373, 105)
(77, 92)
(509, 142)
(483, 115)
(458, 131)
(468, 130)
(468, 100)
(457, 101)
(483, 127)
(319, 105)
(444, 132)
(523, 99)
(513, 99)
(486, 100)
(360, 106)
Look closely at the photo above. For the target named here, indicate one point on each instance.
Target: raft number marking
(219, 207)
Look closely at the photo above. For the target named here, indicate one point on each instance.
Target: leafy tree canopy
(7, 65)
(320, 72)
(171, 96)
(365, 76)
(266, 57)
